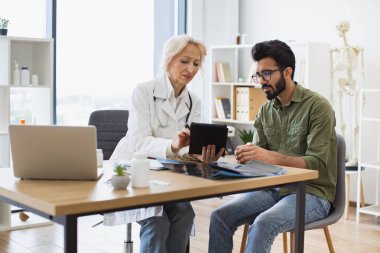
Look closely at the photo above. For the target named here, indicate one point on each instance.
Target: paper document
(251, 169)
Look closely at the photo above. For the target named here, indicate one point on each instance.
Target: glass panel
(104, 48)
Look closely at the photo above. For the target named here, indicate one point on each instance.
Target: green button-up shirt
(305, 128)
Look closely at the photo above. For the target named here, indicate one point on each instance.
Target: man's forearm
(291, 161)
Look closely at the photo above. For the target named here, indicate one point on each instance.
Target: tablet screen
(206, 134)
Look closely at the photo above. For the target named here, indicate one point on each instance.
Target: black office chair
(335, 213)
(111, 126)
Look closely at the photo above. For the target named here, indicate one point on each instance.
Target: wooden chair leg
(347, 204)
(244, 238)
(328, 239)
(362, 203)
(285, 242)
(292, 241)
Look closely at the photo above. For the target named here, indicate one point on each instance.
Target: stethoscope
(167, 120)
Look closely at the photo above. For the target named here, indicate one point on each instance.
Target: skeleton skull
(343, 27)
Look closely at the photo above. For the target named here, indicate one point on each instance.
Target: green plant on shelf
(4, 23)
(246, 136)
(4, 26)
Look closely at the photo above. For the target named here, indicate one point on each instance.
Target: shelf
(369, 146)
(237, 84)
(372, 210)
(24, 39)
(248, 46)
(371, 164)
(33, 103)
(232, 121)
(371, 119)
(12, 86)
(370, 90)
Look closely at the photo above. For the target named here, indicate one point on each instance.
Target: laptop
(54, 152)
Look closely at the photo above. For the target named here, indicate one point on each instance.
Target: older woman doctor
(160, 111)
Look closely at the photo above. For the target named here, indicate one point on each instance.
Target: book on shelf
(223, 72)
(219, 108)
(218, 72)
(226, 105)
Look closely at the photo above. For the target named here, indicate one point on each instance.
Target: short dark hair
(278, 51)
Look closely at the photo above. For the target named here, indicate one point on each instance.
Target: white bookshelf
(30, 102)
(369, 156)
(312, 71)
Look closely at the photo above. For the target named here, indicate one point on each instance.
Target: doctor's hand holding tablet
(207, 141)
(205, 151)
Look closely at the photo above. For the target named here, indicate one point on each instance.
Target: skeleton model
(344, 70)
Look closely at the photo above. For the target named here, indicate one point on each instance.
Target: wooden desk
(65, 201)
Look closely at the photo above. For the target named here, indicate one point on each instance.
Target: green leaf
(246, 136)
(119, 169)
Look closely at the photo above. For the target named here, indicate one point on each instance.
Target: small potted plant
(246, 136)
(121, 179)
(4, 26)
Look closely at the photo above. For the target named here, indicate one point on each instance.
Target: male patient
(294, 128)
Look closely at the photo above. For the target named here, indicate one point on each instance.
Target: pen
(152, 158)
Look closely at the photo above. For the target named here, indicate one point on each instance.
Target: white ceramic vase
(120, 182)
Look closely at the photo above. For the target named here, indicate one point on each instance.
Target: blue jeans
(268, 213)
(168, 233)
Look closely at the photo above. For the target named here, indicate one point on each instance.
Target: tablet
(206, 134)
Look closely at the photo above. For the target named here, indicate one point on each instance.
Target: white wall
(215, 21)
(315, 21)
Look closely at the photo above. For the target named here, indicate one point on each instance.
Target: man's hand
(248, 152)
(209, 154)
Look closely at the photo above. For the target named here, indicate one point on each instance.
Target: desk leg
(300, 217)
(71, 234)
(188, 246)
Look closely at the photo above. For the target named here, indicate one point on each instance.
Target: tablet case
(202, 134)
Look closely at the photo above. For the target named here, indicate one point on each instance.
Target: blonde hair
(174, 46)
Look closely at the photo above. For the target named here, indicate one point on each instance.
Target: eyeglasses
(265, 74)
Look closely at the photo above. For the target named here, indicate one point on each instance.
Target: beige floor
(346, 234)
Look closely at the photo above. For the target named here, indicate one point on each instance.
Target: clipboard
(202, 134)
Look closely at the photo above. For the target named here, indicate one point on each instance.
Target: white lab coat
(152, 126)
(152, 123)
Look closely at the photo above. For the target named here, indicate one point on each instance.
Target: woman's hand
(183, 140)
(209, 154)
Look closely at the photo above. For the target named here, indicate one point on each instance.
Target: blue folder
(250, 169)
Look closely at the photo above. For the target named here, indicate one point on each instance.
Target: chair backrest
(340, 195)
(111, 126)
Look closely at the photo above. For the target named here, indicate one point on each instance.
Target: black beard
(280, 86)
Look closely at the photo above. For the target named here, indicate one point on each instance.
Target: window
(104, 48)
(26, 18)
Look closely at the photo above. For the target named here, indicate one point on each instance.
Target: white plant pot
(120, 182)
